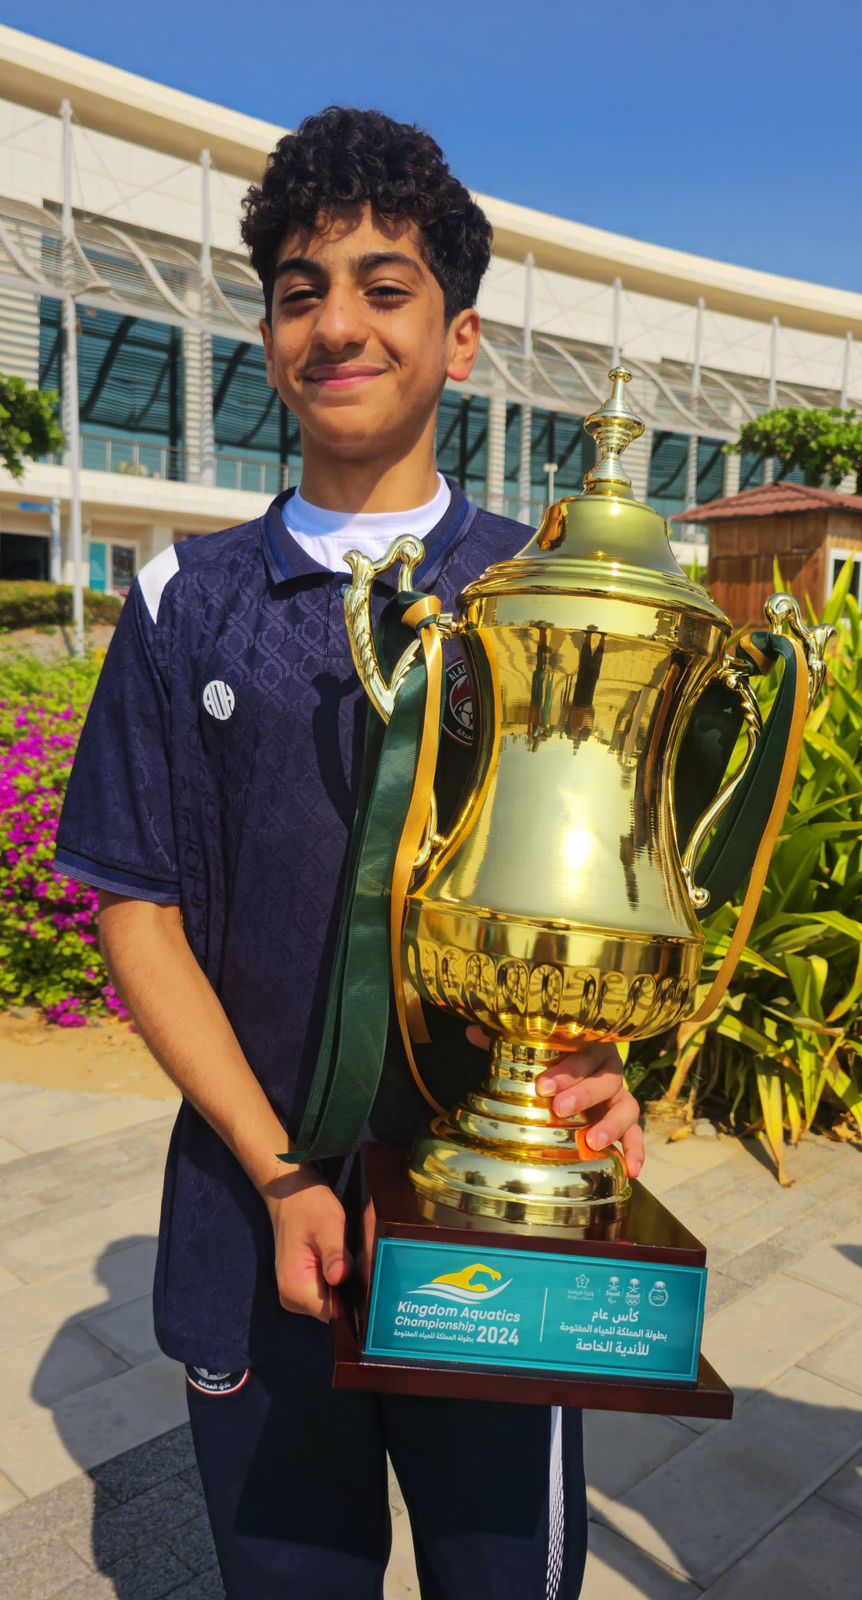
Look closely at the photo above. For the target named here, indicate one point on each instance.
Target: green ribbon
(350, 1060)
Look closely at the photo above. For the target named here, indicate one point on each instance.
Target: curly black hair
(342, 158)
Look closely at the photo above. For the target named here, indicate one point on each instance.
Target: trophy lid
(602, 541)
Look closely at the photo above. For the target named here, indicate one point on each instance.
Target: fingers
(586, 1093)
(580, 1065)
(477, 1036)
(618, 1119)
(633, 1150)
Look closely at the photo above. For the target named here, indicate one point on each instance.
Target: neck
(336, 483)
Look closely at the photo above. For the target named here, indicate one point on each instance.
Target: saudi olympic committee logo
(464, 1286)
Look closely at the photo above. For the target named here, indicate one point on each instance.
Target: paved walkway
(98, 1491)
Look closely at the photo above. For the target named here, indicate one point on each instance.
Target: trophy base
(606, 1316)
(503, 1154)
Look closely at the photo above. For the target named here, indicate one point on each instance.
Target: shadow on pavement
(148, 1532)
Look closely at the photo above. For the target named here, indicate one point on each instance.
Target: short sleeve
(116, 829)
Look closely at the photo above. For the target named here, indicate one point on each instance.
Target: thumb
(336, 1263)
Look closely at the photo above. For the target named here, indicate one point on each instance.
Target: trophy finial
(613, 427)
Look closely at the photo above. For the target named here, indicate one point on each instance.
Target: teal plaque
(522, 1309)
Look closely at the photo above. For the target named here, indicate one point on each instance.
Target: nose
(340, 322)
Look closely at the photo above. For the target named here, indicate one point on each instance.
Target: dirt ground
(105, 1056)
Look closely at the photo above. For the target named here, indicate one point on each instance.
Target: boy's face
(358, 346)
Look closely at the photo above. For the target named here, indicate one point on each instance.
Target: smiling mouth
(342, 377)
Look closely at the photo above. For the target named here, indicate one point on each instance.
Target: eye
(297, 296)
(387, 291)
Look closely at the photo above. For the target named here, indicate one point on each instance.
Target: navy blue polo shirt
(218, 770)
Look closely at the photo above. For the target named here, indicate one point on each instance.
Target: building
(804, 534)
(119, 208)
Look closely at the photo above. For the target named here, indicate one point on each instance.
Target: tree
(28, 424)
(827, 445)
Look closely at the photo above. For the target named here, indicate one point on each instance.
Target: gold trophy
(562, 906)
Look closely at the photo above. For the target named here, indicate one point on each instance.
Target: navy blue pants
(294, 1476)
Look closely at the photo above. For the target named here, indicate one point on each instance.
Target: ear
(266, 336)
(463, 345)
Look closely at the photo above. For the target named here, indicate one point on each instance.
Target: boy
(211, 804)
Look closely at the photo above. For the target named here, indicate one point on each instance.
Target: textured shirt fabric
(218, 771)
(326, 536)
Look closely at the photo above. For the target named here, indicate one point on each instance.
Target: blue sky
(732, 132)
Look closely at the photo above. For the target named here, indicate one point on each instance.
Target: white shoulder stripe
(155, 577)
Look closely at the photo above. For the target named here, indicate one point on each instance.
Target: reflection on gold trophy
(561, 907)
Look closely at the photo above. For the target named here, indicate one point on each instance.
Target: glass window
(256, 436)
(123, 565)
(837, 559)
(668, 473)
(710, 470)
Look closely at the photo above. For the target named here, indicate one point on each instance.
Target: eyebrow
(359, 264)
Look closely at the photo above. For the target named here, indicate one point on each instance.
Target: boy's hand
(589, 1082)
(310, 1251)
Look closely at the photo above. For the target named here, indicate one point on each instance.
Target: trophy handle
(735, 675)
(781, 608)
(357, 612)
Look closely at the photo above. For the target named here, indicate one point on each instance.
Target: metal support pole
(698, 348)
(528, 306)
(525, 466)
(773, 363)
(845, 370)
(71, 416)
(56, 544)
(618, 317)
(208, 450)
(552, 468)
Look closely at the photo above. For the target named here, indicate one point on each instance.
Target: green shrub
(31, 605)
(788, 1032)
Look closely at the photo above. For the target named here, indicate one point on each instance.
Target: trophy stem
(503, 1153)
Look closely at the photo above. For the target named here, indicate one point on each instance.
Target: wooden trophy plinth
(607, 1317)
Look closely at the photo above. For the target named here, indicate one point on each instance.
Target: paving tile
(9, 1495)
(42, 1371)
(127, 1330)
(620, 1449)
(45, 1448)
(192, 1542)
(721, 1289)
(616, 1570)
(770, 1328)
(209, 1587)
(23, 1578)
(698, 1156)
(659, 1175)
(71, 1505)
(705, 1508)
(61, 1242)
(845, 1489)
(9, 1151)
(149, 1573)
(169, 1455)
(8, 1280)
(840, 1359)
(60, 1119)
(122, 1529)
(401, 1582)
(34, 1309)
(836, 1267)
(815, 1552)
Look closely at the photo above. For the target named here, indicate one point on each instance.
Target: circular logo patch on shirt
(458, 706)
(208, 1382)
(219, 699)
